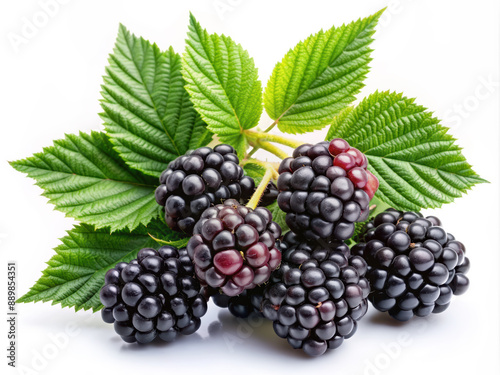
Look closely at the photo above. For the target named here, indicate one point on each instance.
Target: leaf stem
(271, 126)
(271, 148)
(257, 195)
(263, 136)
(252, 151)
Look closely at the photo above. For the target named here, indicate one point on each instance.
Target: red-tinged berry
(345, 161)
(361, 160)
(322, 190)
(372, 185)
(414, 268)
(233, 247)
(153, 296)
(358, 176)
(338, 146)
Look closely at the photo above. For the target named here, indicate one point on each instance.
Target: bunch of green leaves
(157, 105)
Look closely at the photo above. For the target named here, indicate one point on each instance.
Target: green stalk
(266, 137)
(257, 195)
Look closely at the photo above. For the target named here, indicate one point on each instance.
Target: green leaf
(223, 83)
(417, 162)
(278, 216)
(75, 274)
(256, 171)
(147, 111)
(320, 76)
(85, 178)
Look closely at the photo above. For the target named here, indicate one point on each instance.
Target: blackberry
(233, 247)
(244, 304)
(324, 189)
(155, 295)
(415, 266)
(319, 296)
(270, 195)
(198, 180)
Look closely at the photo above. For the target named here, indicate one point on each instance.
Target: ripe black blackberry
(270, 195)
(198, 180)
(155, 295)
(319, 296)
(324, 189)
(244, 304)
(233, 247)
(414, 266)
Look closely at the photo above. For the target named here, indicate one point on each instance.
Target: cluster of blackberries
(308, 282)
(195, 181)
(324, 189)
(233, 247)
(153, 296)
(318, 295)
(414, 265)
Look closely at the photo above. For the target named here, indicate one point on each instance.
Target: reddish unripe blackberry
(153, 296)
(415, 266)
(325, 188)
(197, 180)
(233, 247)
(317, 295)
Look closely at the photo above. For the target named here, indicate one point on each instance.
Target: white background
(445, 53)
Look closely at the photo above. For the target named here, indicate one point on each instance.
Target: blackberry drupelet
(198, 180)
(155, 295)
(250, 300)
(233, 247)
(244, 304)
(319, 295)
(270, 195)
(324, 189)
(414, 266)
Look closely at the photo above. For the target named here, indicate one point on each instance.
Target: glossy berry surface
(198, 180)
(317, 296)
(324, 189)
(414, 265)
(153, 296)
(233, 247)
(244, 304)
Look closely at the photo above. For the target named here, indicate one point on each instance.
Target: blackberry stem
(257, 143)
(263, 136)
(257, 195)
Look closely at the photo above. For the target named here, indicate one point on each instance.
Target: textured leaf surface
(417, 162)
(75, 274)
(320, 76)
(223, 83)
(147, 111)
(84, 177)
